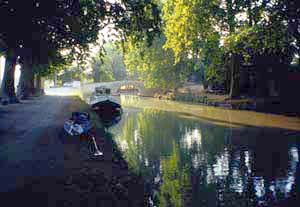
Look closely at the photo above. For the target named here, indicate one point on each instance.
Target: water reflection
(191, 162)
(192, 138)
(175, 186)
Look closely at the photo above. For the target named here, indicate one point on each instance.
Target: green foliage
(262, 39)
(187, 25)
(195, 30)
(108, 64)
(102, 71)
(191, 34)
(154, 65)
(138, 20)
(171, 194)
(56, 63)
(72, 73)
(212, 58)
(113, 60)
(53, 26)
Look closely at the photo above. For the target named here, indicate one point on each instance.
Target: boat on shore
(107, 107)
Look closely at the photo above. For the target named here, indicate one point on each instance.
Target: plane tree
(194, 30)
(31, 30)
(155, 65)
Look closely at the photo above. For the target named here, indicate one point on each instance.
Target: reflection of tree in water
(144, 143)
(247, 175)
(129, 100)
(226, 167)
(176, 185)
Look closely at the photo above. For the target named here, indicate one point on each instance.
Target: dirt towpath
(42, 166)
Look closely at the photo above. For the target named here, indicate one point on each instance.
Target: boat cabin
(102, 91)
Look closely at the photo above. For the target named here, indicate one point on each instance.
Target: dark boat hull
(108, 111)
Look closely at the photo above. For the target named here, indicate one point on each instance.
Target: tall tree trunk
(39, 89)
(7, 86)
(26, 85)
(289, 101)
(30, 82)
(55, 79)
(96, 75)
(227, 75)
(235, 76)
(21, 94)
(261, 76)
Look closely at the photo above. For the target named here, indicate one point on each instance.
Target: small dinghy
(80, 125)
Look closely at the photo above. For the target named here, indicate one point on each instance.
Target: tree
(7, 84)
(39, 62)
(114, 59)
(263, 38)
(192, 32)
(196, 29)
(154, 65)
(187, 25)
(109, 62)
(265, 45)
(66, 25)
(102, 71)
(47, 24)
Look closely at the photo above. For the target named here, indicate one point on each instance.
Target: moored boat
(107, 107)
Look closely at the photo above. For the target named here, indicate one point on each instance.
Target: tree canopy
(212, 36)
(154, 65)
(35, 30)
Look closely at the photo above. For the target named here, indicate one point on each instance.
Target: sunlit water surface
(202, 156)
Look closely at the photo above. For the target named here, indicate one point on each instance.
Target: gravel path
(42, 166)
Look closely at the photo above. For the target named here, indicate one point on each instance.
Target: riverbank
(215, 115)
(271, 105)
(41, 166)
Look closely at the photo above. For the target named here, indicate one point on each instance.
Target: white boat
(107, 107)
(102, 94)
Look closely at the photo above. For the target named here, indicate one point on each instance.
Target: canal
(194, 155)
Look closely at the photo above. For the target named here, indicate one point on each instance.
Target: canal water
(203, 156)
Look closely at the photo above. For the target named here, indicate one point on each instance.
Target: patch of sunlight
(259, 186)
(221, 167)
(217, 115)
(209, 175)
(248, 160)
(17, 76)
(197, 160)
(231, 125)
(124, 145)
(129, 100)
(192, 138)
